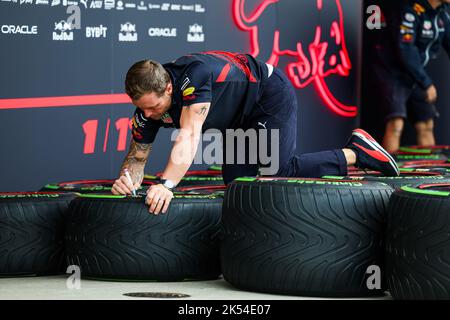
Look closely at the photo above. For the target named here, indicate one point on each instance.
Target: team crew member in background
(222, 90)
(413, 36)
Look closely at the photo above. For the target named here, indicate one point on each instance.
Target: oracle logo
(24, 29)
(162, 32)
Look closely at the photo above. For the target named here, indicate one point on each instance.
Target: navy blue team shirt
(231, 82)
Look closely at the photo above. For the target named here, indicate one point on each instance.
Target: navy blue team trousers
(277, 109)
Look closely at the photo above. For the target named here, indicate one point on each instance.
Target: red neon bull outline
(304, 71)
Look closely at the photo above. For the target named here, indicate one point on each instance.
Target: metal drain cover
(159, 295)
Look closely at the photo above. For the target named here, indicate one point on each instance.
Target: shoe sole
(367, 138)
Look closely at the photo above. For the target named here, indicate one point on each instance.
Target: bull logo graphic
(62, 26)
(321, 52)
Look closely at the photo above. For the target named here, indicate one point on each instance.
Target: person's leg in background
(393, 95)
(422, 114)
(393, 134)
(425, 134)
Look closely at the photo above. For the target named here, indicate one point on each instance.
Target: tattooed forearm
(136, 159)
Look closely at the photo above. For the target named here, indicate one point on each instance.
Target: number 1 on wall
(90, 129)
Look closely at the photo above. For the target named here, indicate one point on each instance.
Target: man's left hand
(158, 197)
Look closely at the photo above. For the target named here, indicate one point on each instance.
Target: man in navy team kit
(413, 36)
(223, 90)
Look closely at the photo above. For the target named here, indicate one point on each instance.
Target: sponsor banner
(19, 29)
(128, 32)
(195, 33)
(96, 32)
(162, 32)
(62, 31)
(113, 5)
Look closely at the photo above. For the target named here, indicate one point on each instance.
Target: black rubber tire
(118, 239)
(32, 233)
(90, 186)
(309, 237)
(409, 178)
(418, 246)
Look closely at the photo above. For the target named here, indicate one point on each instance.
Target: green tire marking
(421, 151)
(112, 196)
(243, 179)
(424, 157)
(215, 168)
(197, 196)
(202, 179)
(10, 196)
(411, 177)
(333, 177)
(333, 183)
(102, 196)
(426, 192)
(52, 186)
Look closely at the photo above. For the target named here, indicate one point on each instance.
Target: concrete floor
(55, 288)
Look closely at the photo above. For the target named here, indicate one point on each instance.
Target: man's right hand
(431, 94)
(124, 186)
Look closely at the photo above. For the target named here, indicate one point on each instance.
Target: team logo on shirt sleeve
(419, 9)
(407, 24)
(407, 38)
(405, 30)
(185, 83)
(138, 121)
(188, 94)
(166, 118)
(189, 91)
(410, 17)
(137, 133)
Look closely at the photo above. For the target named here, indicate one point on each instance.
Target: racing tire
(308, 237)
(115, 237)
(32, 233)
(417, 243)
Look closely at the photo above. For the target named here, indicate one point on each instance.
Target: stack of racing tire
(353, 236)
(418, 233)
(113, 237)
